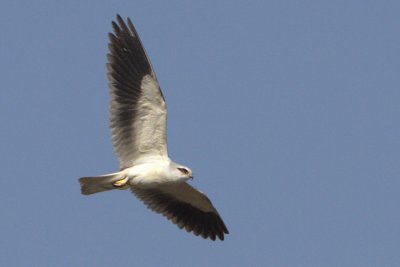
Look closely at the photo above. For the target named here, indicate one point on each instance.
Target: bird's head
(184, 172)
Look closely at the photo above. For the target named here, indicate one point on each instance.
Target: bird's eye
(183, 171)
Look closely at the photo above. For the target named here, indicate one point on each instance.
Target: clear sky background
(287, 112)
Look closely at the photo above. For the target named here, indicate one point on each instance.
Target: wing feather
(138, 112)
(186, 207)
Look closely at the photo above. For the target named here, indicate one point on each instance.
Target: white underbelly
(148, 175)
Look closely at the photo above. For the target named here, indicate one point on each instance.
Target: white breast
(151, 174)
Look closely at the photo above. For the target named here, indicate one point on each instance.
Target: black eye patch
(184, 171)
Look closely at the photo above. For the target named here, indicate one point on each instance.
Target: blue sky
(287, 112)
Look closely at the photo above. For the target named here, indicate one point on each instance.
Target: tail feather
(96, 184)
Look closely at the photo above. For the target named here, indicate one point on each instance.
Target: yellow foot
(121, 184)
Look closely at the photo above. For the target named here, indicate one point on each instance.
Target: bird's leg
(121, 184)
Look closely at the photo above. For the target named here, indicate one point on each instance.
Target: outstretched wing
(138, 112)
(186, 207)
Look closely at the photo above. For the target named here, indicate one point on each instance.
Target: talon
(121, 183)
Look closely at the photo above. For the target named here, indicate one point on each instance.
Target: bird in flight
(138, 117)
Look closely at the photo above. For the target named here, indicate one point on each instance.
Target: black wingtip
(119, 19)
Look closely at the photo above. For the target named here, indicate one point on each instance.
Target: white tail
(96, 184)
